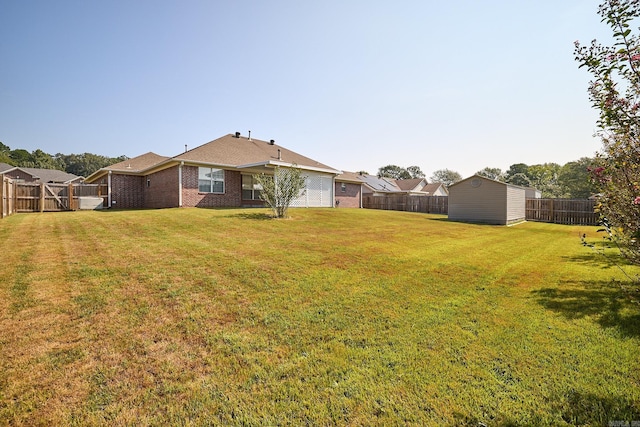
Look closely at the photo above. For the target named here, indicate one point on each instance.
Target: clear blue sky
(354, 84)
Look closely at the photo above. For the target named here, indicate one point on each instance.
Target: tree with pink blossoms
(615, 92)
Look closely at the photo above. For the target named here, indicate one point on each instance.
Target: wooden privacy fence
(562, 211)
(41, 197)
(403, 202)
(558, 211)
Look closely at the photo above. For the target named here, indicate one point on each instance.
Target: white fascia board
(274, 163)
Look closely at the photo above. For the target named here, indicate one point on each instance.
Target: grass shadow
(578, 408)
(602, 300)
(257, 216)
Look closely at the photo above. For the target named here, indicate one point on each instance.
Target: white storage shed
(483, 200)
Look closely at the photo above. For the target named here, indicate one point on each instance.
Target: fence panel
(403, 202)
(38, 197)
(562, 211)
(558, 211)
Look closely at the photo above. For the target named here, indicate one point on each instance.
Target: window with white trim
(250, 188)
(210, 180)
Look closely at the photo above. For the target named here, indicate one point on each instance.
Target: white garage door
(318, 192)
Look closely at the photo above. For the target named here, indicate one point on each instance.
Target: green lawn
(332, 317)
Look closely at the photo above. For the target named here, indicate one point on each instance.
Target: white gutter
(180, 184)
(274, 163)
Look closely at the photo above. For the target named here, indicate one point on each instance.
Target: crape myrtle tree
(281, 189)
(615, 92)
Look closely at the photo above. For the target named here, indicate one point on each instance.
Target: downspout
(180, 184)
(109, 188)
(333, 190)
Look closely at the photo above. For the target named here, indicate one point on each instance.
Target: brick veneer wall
(191, 197)
(349, 198)
(161, 189)
(127, 191)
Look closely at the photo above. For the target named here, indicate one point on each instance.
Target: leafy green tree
(281, 189)
(574, 179)
(515, 169)
(615, 92)
(4, 154)
(415, 172)
(544, 177)
(394, 171)
(87, 163)
(446, 177)
(492, 173)
(21, 157)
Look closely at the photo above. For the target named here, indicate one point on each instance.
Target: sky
(354, 84)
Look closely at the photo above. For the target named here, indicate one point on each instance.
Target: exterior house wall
(532, 193)
(192, 197)
(440, 192)
(485, 203)
(350, 197)
(127, 191)
(162, 189)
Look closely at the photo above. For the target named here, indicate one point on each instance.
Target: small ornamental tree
(281, 189)
(615, 92)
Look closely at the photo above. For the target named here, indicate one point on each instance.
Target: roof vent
(271, 142)
(249, 135)
(237, 134)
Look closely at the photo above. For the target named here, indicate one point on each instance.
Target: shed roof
(486, 179)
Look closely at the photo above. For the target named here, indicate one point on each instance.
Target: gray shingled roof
(242, 151)
(47, 175)
(139, 163)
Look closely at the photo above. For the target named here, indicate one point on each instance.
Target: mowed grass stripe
(336, 316)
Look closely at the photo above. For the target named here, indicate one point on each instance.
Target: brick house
(216, 174)
(348, 190)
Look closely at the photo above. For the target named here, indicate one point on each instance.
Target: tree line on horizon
(571, 180)
(553, 180)
(78, 164)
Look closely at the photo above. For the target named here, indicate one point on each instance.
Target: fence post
(42, 197)
(2, 192)
(70, 192)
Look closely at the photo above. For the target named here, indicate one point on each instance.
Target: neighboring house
(37, 175)
(412, 186)
(483, 200)
(435, 189)
(381, 186)
(533, 193)
(348, 190)
(378, 186)
(216, 174)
